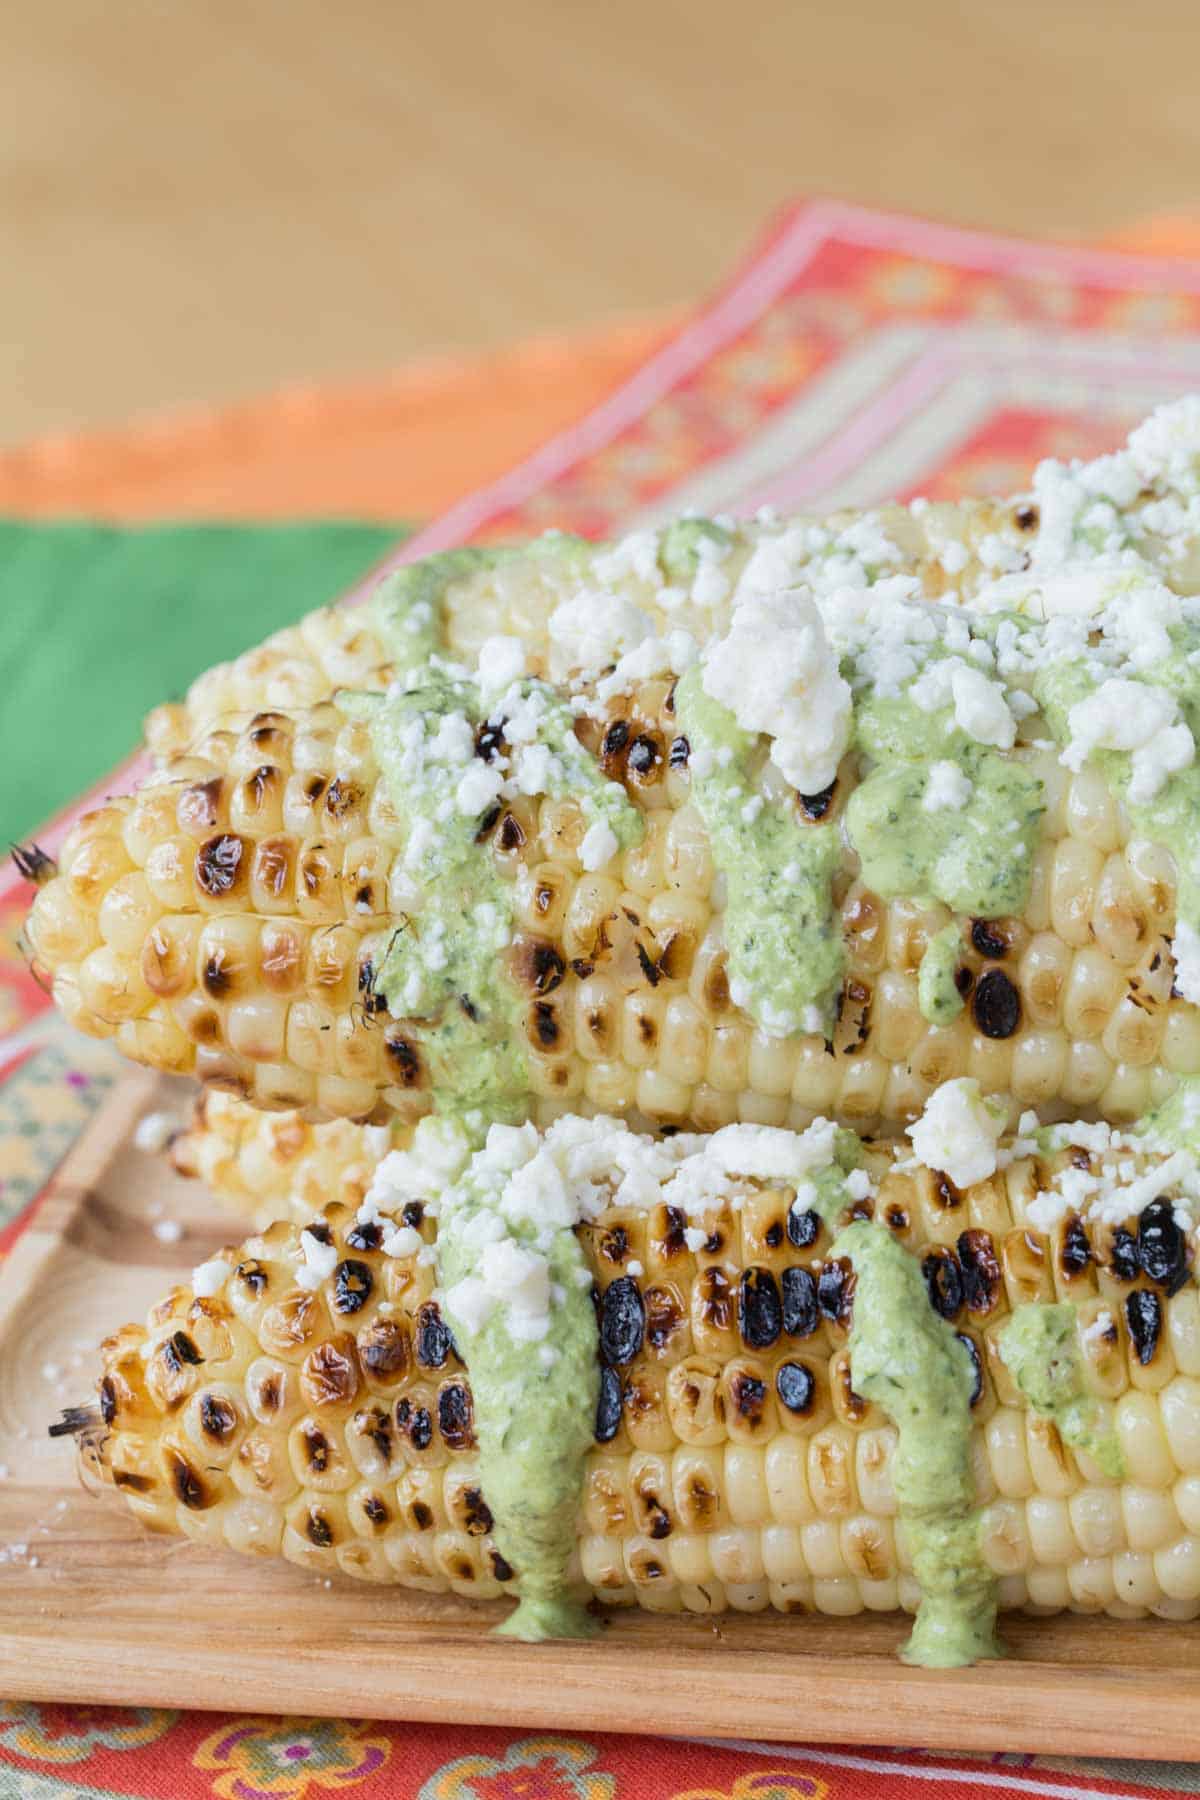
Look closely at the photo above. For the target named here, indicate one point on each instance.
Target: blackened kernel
(253, 1275)
(316, 1448)
(1125, 1262)
(760, 1310)
(185, 1349)
(489, 740)
(368, 1236)
(501, 1569)
(801, 1314)
(478, 1519)
(835, 1290)
(108, 1400)
(943, 1281)
(1144, 1317)
(435, 1341)
(413, 1214)
(622, 1321)
(608, 1406)
(1075, 1255)
(1162, 1246)
(544, 1020)
(456, 1416)
(981, 1274)
(773, 1235)
(319, 1230)
(375, 1509)
(815, 806)
(487, 824)
(1026, 516)
(803, 1228)
(996, 1005)
(511, 835)
(796, 1387)
(645, 755)
(421, 1515)
(352, 1285)
(420, 1432)
(972, 1349)
(990, 939)
(615, 738)
(679, 752)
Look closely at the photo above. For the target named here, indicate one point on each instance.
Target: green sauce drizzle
(534, 1424)
(1039, 1351)
(444, 967)
(782, 934)
(937, 991)
(977, 859)
(910, 1363)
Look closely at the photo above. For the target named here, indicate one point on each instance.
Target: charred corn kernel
(734, 1466)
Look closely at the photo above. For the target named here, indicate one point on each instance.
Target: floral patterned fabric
(855, 355)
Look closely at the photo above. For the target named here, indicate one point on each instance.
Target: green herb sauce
(534, 1424)
(910, 1363)
(1039, 1351)
(977, 859)
(782, 932)
(937, 990)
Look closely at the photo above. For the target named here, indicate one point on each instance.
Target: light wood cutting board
(92, 1609)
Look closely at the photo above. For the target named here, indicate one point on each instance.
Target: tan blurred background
(202, 199)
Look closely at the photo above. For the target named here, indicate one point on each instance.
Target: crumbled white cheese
(1131, 715)
(210, 1277)
(510, 1276)
(947, 789)
(594, 629)
(319, 1261)
(1100, 1328)
(858, 1184)
(1185, 948)
(502, 660)
(479, 787)
(599, 846)
(154, 1132)
(958, 1132)
(777, 673)
(980, 708)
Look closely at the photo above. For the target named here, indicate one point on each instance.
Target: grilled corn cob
(733, 1462)
(240, 916)
(228, 922)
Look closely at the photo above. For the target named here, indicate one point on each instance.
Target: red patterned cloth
(855, 355)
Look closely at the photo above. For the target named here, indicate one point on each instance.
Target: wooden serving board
(93, 1609)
